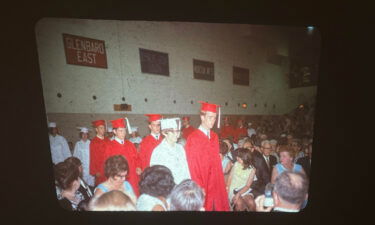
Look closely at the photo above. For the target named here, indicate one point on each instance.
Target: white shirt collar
(204, 130)
(156, 136)
(119, 140)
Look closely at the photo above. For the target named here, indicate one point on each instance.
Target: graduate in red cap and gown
(97, 151)
(188, 129)
(150, 141)
(202, 153)
(226, 130)
(120, 146)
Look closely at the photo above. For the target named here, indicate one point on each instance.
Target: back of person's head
(245, 155)
(74, 161)
(112, 201)
(65, 175)
(186, 196)
(156, 181)
(291, 187)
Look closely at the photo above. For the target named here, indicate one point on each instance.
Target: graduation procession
(179, 116)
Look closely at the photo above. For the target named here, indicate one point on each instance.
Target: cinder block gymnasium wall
(225, 45)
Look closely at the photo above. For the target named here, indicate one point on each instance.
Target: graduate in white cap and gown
(82, 152)
(59, 146)
(110, 133)
(169, 153)
(135, 138)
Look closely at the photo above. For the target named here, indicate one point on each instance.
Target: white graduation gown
(82, 151)
(59, 148)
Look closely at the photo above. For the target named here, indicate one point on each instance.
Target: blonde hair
(112, 201)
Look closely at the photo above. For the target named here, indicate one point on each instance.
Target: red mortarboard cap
(186, 118)
(97, 123)
(209, 107)
(119, 123)
(153, 117)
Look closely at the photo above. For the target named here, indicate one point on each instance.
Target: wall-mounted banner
(154, 62)
(302, 75)
(241, 76)
(203, 70)
(84, 51)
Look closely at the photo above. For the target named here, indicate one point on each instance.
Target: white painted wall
(224, 44)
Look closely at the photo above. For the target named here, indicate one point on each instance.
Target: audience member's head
(187, 196)
(286, 154)
(273, 143)
(296, 145)
(116, 167)
(156, 181)
(242, 141)
(244, 156)
(249, 144)
(75, 163)
(112, 201)
(266, 147)
(66, 176)
(229, 142)
(290, 190)
(223, 147)
(263, 137)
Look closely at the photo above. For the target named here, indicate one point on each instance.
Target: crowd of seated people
(274, 150)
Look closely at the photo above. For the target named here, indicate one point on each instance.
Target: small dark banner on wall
(203, 70)
(302, 75)
(154, 62)
(241, 76)
(84, 51)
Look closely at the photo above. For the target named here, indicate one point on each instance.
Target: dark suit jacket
(262, 173)
(305, 163)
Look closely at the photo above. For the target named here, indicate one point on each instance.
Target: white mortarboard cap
(109, 129)
(283, 135)
(83, 129)
(170, 123)
(134, 129)
(51, 124)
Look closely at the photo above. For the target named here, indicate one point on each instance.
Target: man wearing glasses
(263, 168)
(268, 158)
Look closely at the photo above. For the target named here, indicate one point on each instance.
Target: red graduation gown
(129, 151)
(187, 131)
(226, 131)
(238, 132)
(205, 168)
(97, 154)
(146, 148)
